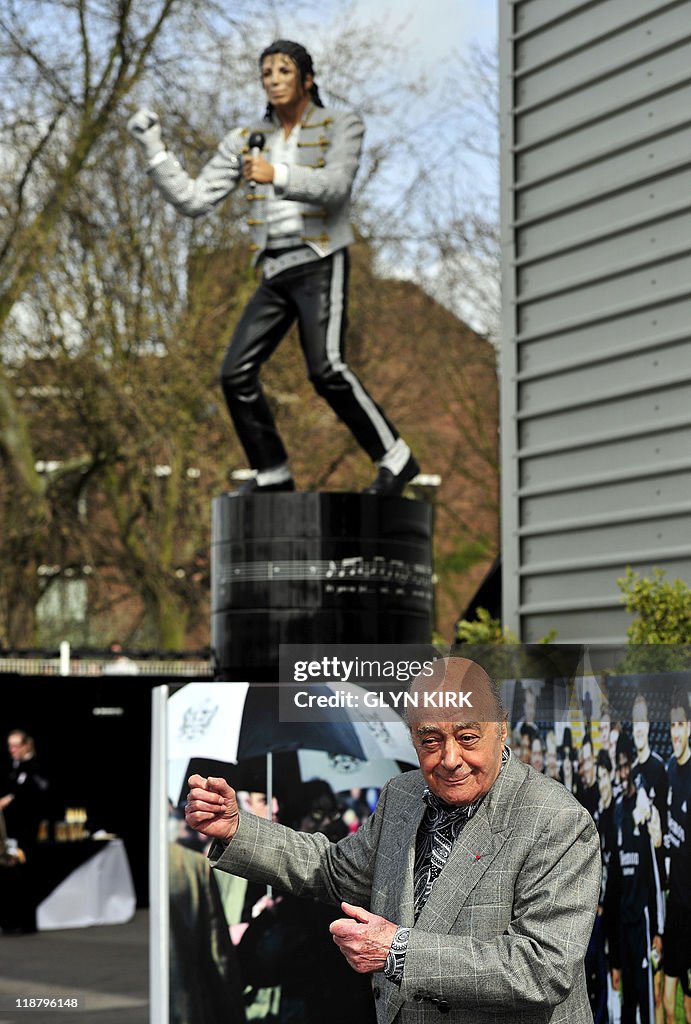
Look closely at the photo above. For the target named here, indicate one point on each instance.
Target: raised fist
(145, 127)
(211, 808)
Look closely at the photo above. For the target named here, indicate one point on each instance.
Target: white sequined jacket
(329, 149)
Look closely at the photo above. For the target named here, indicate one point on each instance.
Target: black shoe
(252, 487)
(391, 484)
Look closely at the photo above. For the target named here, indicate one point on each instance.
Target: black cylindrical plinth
(292, 568)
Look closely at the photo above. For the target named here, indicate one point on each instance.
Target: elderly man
(299, 164)
(472, 889)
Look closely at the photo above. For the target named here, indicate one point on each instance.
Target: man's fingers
(359, 913)
(221, 787)
(343, 928)
(211, 790)
(348, 927)
(213, 784)
(218, 784)
(207, 802)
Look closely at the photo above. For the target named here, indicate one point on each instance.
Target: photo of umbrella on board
(236, 722)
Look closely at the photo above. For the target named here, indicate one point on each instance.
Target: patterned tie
(438, 832)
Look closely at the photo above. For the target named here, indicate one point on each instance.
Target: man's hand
(616, 978)
(655, 827)
(364, 941)
(256, 168)
(145, 128)
(212, 808)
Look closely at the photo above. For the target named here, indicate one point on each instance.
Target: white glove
(145, 127)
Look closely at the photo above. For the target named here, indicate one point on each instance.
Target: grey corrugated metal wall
(596, 347)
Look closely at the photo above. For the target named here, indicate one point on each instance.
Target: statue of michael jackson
(298, 166)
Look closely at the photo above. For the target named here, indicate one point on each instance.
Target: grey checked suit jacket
(504, 932)
(328, 157)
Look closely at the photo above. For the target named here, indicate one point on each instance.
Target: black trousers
(636, 972)
(315, 294)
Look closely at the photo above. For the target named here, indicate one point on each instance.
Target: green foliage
(483, 630)
(486, 630)
(498, 650)
(662, 608)
(660, 634)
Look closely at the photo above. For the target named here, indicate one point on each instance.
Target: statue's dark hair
(299, 55)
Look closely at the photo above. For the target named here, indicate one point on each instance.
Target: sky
(435, 26)
(432, 28)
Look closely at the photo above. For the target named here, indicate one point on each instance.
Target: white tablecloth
(100, 891)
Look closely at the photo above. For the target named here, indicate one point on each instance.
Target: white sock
(396, 457)
(277, 475)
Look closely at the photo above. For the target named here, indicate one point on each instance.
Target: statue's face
(282, 82)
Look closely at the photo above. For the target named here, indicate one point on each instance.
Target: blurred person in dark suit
(205, 983)
(25, 799)
(24, 805)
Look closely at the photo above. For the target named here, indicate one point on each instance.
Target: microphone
(257, 140)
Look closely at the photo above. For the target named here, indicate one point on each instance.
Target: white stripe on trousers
(648, 947)
(333, 353)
